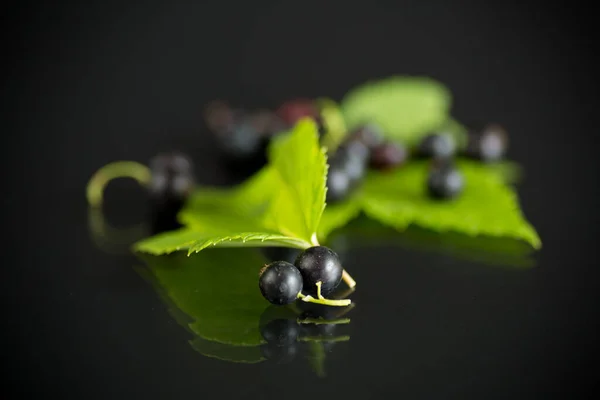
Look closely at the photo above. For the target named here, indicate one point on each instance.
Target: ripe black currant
(444, 181)
(319, 264)
(437, 145)
(172, 180)
(280, 282)
(388, 155)
(339, 184)
(293, 110)
(488, 144)
(370, 135)
(172, 175)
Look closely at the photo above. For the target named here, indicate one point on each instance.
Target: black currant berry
(172, 175)
(280, 282)
(281, 331)
(319, 264)
(436, 145)
(488, 144)
(294, 110)
(172, 180)
(444, 181)
(339, 184)
(388, 155)
(353, 164)
(370, 135)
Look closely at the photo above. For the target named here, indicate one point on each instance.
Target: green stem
(325, 302)
(321, 321)
(117, 169)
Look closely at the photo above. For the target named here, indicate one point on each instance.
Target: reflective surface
(434, 317)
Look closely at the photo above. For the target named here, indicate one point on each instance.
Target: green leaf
(217, 289)
(195, 241)
(486, 207)
(335, 125)
(281, 205)
(405, 107)
(338, 215)
(298, 197)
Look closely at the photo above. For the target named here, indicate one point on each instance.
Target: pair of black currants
(244, 135)
(445, 181)
(317, 271)
(171, 182)
(364, 148)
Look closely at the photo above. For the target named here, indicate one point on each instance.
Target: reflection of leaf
(218, 289)
(280, 206)
(225, 352)
(485, 249)
(486, 206)
(316, 358)
(405, 107)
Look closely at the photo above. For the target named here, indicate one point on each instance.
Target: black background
(98, 81)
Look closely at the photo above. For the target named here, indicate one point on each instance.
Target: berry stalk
(117, 169)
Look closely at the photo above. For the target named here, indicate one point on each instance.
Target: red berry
(292, 111)
(388, 155)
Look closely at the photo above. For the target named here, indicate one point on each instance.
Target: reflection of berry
(280, 331)
(444, 181)
(279, 354)
(280, 283)
(319, 264)
(489, 144)
(436, 146)
(388, 155)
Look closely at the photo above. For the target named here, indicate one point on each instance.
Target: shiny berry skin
(172, 180)
(444, 181)
(388, 155)
(172, 175)
(280, 282)
(353, 164)
(370, 135)
(319, 264)
(339, 184)
(436, 145)
(280, 331)
(488, 144)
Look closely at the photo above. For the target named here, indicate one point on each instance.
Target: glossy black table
(94, 83)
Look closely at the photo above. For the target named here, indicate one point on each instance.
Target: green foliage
(405, 107)
(486, 206)
(281, 205)
(217, 289)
